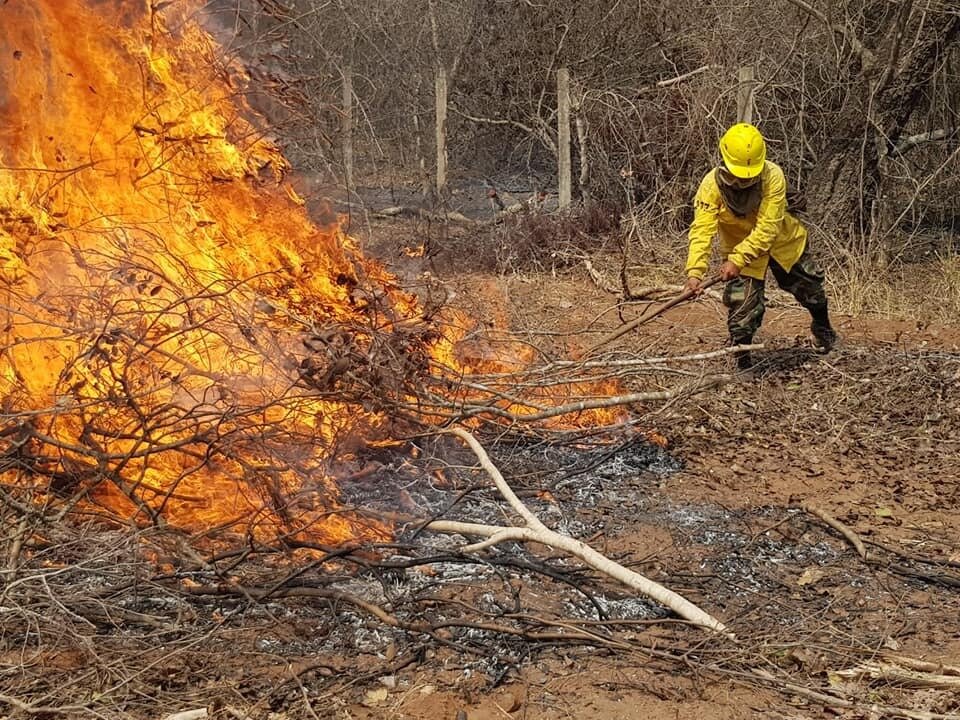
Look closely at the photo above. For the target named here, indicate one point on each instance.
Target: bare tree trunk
(347, 138)
(564, 170)
(441, 128)
(426, 186)
(847, 182)
(745, 88)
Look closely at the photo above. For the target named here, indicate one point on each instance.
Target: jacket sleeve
(770, 214)
(706, 207)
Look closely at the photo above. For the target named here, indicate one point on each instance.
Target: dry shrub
(925, 291)
(534, 242)
(654, 255)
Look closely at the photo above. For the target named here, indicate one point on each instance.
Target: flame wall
(158, 276)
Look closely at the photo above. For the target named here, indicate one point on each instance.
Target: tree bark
(564, 165)
(347, 138)
(745, 87)
(426, 185)
(846, 185)
(441, 127)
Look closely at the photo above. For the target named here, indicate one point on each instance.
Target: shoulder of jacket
(772, 170)
(708, 185)
(773, 175)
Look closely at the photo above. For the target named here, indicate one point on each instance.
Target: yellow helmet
(743, 150)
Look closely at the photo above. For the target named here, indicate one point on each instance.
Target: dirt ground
(868, 433)
(714, 495)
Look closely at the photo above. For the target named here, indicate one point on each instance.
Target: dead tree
(891, 87)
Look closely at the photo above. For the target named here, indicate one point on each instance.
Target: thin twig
(844, 530)
(643, 319)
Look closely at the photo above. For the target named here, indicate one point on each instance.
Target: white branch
(857, 704)
(498, 480)
(536, 531)
(198, 714)
(901, 676)
(579, 406)
(912, 141)
(685, 76)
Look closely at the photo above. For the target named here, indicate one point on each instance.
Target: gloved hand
(728, 271)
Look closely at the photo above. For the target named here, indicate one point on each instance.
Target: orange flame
(158, 279)
(158, 275)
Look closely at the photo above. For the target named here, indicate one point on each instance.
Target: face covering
(741, 195)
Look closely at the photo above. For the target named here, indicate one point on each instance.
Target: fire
(174, 323)
(495, 369)
(159, 278)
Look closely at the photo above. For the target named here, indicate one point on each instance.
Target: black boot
(743, 358)
(824, 336)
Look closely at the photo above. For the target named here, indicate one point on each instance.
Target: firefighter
(743, 202)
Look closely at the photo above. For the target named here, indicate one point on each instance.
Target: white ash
(630, 608)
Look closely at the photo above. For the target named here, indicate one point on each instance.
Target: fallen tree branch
(912, 141)
(536, 531)
(539, 371)
(835, 702)
(944, 579)
(402, 211)
(913, 557)
(197, 714)
(452, 216)
(901, 675)
(579, 406)
(31, 709)
(658, 293)
(926, 666)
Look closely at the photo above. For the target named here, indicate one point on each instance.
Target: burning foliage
(182, 342)
(175, 325)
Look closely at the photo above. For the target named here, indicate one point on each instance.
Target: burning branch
(536, 531)
(528, 411)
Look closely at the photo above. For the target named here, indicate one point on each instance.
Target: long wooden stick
(536, 531)
(835, 702)
(901, 676)
(633, 324)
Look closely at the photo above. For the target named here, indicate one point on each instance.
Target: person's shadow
(771, 362)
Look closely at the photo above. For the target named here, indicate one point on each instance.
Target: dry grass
(925, 288)
(927, 291)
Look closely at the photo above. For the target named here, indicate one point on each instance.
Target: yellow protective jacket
(750, 241)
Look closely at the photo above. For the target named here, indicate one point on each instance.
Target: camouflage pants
(743, 296)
